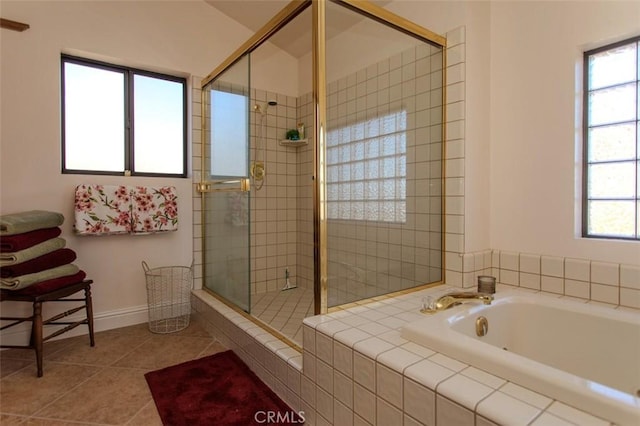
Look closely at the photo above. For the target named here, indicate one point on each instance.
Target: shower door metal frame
(288, 13)
(281, 19)
(319, 61)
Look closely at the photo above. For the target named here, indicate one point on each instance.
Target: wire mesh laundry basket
(168, 297)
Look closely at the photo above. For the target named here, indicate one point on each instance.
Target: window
(229, 127)
(118, 120)
(611, 187)
(367, 170)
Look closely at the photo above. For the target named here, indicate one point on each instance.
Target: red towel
(17, 242)
(56, 258)
(50, 285)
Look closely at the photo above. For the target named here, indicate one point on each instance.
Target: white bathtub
(582, 354)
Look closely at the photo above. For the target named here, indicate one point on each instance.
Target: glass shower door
(225, 185)
(383, 159)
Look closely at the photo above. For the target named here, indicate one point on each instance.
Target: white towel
(154, 209)
(102, 209)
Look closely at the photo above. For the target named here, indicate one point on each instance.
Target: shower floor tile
(284, 310)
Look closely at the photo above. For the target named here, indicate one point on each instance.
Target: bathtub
(585, 355)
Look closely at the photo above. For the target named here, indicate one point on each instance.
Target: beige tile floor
(103, 385)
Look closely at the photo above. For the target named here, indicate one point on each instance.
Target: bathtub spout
(453, 299)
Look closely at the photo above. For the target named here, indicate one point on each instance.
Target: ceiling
(253, 14)
(295, 37)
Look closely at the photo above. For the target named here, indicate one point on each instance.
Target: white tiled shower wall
(283, 209)
(384, 256)
(368, 258)
(391, 256)
(273, 210)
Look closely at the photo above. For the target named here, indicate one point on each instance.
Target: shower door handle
(235, 185)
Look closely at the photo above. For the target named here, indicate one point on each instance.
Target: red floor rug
(217, 390)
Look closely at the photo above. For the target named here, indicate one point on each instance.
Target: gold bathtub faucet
(453, 299)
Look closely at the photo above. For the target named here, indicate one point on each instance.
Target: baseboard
(19, 335)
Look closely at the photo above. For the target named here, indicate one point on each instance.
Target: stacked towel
(31, 251)
(16, 283)
(50, 260)
(22, 241)
(15, 257)
(19, 223)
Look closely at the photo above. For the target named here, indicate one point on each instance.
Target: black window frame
(129, 158)
(586, 142)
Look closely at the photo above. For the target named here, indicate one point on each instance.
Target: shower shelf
(289, 142)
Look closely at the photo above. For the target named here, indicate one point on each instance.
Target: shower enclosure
(351, 209)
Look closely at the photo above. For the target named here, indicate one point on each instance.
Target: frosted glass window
(158, 125)
(613, 218)
(229, 134)
(613, 66)
(118, 120)
(613, 104)
(612, 141)
(613, 180)
(366, 165)
(94, 126)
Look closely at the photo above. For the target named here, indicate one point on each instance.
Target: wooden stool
(37, 296)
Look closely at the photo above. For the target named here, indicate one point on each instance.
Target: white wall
(474, 16)
(522, 141)
(181, 37)
(274, 70)
(536, 60)
(271, 68)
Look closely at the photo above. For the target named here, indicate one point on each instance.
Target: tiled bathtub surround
(611, 283)
(359, 370)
